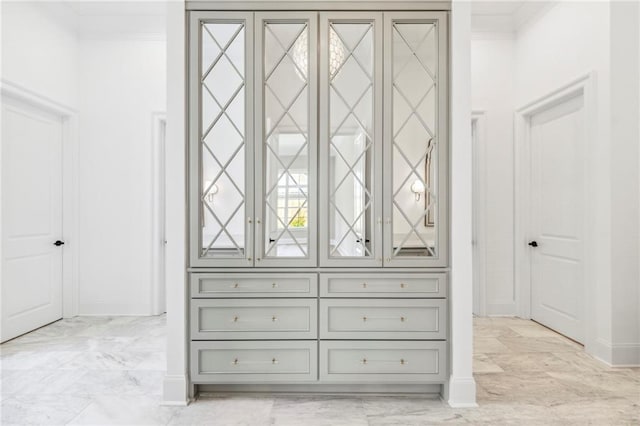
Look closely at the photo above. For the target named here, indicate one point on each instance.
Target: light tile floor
(108, 370)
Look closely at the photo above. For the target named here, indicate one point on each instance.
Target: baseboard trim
(175, 390)
(615, 355)
(462, 392)
(625, 355)
(600, 350)
(427, 390)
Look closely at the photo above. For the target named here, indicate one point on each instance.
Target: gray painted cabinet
(318, 181)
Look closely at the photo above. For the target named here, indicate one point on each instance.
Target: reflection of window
(292, 206)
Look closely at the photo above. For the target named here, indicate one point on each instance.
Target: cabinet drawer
(242, 319)
(383, 319)
(256, 362)
(383, 285)
(382, 361)
(254, 285)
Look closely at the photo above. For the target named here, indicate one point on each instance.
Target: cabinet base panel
(428, 390)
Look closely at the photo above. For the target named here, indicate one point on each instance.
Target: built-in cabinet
(318, 185)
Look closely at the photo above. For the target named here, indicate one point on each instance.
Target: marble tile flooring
(108, 371)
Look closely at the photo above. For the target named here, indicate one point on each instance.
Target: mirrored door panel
(415, 139)
(221, 86)
(286, 87)
(350, 138)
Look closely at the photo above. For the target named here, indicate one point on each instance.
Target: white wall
(572, 39)
(625, 181)
(122, 83)
(461, 389)
(492, 89)
(39, 53)
(568, 41)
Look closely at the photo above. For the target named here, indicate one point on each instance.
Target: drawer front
(253, 362)
(382, 361)
(383, 319)
(254, 285)
(262, 319)
(383, 285)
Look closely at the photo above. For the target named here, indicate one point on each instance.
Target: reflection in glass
(222, 195)
(350, 139)
(286, 143)
(414, 152)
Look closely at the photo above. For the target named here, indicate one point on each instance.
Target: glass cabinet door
(221, 79)
(416, 139)
(286, 128)
(351, 139)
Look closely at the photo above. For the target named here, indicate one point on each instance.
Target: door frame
(69, 117)
(479, 166)
(158, 213)
(582, 86)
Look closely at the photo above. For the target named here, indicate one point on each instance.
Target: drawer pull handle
(273, 361)
(365, 318)
(383, 284)
(257, 286)
(365, 361)
(273, 318)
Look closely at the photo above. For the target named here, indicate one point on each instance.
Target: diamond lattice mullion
(350, 230)
(223, 228)
(286, 112)
(286, 51)
(223, 51)
(285, 228)
(350, 171)
(362, 126)
(350, 54)
(413, 109)
(418, 116)
(413, 51)
(413, 228)
(285, 168)
(351, 109)
(223, 110)
(413, 168)
(223, 168)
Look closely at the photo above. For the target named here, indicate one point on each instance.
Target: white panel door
(31, 219)
(557, 203)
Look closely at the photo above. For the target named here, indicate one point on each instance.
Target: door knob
(533, 243)
(58, 243)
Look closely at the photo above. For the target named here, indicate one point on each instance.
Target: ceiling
(91, 19)
(506, 16)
